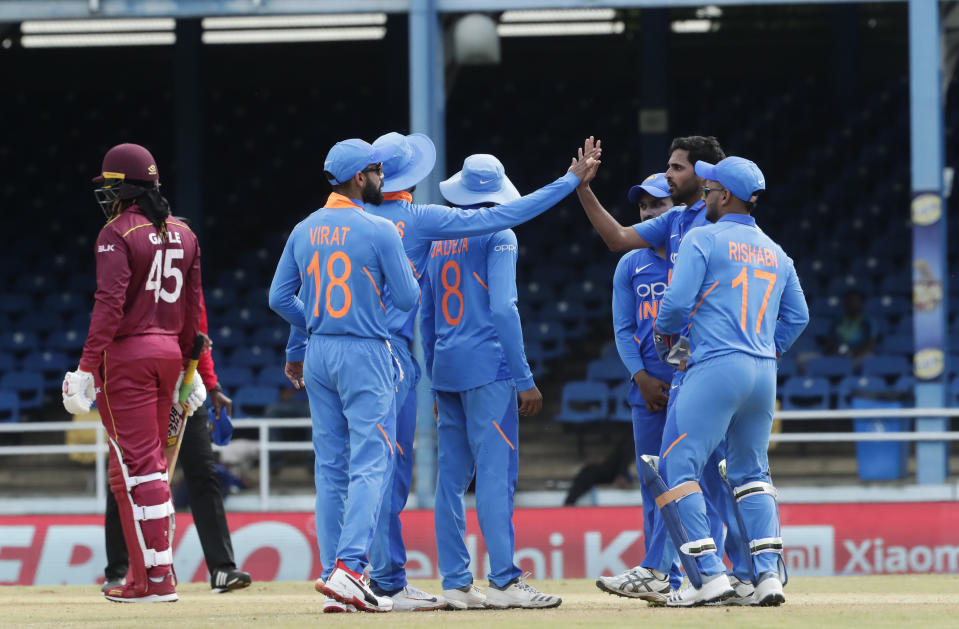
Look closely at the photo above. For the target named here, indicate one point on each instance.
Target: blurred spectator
(853, 334)
(613, 469)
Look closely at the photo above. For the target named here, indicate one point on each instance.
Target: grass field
(812, 603)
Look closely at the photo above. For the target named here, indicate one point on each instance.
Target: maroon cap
(128, 161)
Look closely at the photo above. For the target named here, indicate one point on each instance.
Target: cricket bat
(178, 411)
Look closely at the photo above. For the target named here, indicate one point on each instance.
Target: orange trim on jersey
(503, 435)
(388, 442)
(413, 266)
(398, 196)
(637, 340)
(678, 439)
(400, 448)
(136, 227)
(715, 284)
(338, 201)
(372, 281)
(482, 283)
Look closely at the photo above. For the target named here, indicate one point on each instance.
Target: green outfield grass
(812, 603)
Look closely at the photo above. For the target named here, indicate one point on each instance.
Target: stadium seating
(9, 406)
(829, 367)
(619, 403)
(805, 394)
(28, 385)
(609, 370)
(252, 401)
(886, 366)
(850, 386)
(584, 401)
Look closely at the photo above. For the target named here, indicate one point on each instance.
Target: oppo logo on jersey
(654, 290)
(170, 237)
(504, 248)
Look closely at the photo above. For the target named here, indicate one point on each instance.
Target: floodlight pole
(929, 254)
(427, 115)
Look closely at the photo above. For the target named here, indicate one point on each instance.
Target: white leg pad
(699, 547)
(756, 488)
(766, 545)
(133, 481)
(153, 512)
(153, 558)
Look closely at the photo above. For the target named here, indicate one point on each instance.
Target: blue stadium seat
(887, 306)
(220, 298)
(805, 394)
(42, 323)
(33, 284)
(69, 341)
(852, 385)
(7, 362)
(16, 304)
(254, 357)
(228, 337)
(271, 336)
(51, 364)
(252, 401)
(18, 342)
(829, 367)
(255, 317)
(550, 336)
(898, 344)
(234, 378)
(28, 386)
(904, 388)
(273, 377)
(67, 303)
(570, 315)
(9, 407)
(619, 402)
(584, 401)
(787, 367)
(609, 370)
(886, 366)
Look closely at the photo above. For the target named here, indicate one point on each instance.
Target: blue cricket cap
(740, 176)
(411, 159)
(349, 157)
(655, 185)
(482, 180)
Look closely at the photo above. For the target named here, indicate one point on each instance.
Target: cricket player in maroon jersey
(145, 319)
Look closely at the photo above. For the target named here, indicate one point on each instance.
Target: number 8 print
(453, 289)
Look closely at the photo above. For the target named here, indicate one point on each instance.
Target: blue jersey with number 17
(345, 259)
(738, 289)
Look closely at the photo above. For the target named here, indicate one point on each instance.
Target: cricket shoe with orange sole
(155, 592)
(352, 588)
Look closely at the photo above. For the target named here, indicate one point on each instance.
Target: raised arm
(438, 222)
(617, 237)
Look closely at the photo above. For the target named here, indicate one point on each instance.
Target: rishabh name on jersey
(468, 352)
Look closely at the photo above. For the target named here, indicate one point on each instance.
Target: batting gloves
(78, 391)
(196, 396)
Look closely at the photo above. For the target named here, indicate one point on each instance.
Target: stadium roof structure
(18, 10)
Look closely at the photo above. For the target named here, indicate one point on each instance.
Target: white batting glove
(197, 393)
(78, 392)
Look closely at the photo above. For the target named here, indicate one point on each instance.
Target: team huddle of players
(683, 313)
(704, 303)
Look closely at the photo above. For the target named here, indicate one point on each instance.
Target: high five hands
(587, 157)
(586, 162)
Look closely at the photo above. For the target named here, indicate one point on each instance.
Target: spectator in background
(854, 334)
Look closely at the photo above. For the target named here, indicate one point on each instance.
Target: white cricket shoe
(519, 593)
(333, 606)
(466, 597)
(713, 591)
(351, 588)
(769, 592)
(413, 599)
(638, 582)
(743, 592)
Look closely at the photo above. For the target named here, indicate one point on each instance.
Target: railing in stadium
(266, 445)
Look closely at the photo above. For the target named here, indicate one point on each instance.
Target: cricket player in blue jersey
(668, 230)
(738, 294)
(473, 342)
(638, 286)
(410, 159)
(345, 259)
